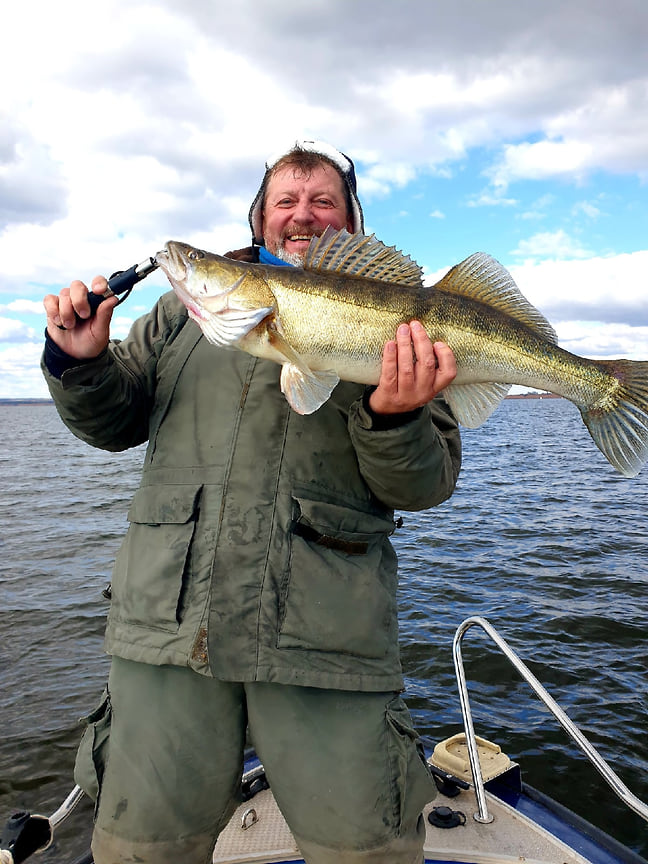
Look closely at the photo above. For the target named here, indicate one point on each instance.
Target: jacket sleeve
(413, 466)
(107, 402)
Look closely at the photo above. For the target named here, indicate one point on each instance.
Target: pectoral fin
(227, 326)
(472, 404)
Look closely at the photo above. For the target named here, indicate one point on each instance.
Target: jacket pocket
(339, 589)
(92, 754)
(153, 566)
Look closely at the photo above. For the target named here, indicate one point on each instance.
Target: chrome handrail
(620, 789)
(66, 807)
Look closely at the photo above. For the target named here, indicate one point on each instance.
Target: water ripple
(542, 537)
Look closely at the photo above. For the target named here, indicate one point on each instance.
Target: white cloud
(586, 208)
(379, 180)
(488, 199)
(128, 123)
(20, 375)
(15, 331)
(550, 244)
(610, 290)
(597, 306)
(598, 340)
(30, 307)
(540, 160)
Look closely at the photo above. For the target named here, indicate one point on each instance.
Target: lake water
(542, 537)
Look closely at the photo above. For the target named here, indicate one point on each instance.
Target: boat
(484, 813)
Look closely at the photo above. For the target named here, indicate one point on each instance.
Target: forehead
(293, 178)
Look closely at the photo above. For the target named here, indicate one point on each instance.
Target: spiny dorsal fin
(482, 278)
(361, 255)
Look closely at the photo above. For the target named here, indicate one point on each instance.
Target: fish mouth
(174, 261)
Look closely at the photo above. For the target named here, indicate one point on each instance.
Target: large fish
(330, 320)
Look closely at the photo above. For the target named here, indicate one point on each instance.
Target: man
(256, 584)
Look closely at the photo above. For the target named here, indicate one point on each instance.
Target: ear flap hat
(339, 160)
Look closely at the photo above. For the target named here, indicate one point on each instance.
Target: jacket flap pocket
(341, 520)
(164, 505)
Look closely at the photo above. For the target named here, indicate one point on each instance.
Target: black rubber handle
(121, 282)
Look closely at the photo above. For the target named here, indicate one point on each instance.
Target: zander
(330, 320)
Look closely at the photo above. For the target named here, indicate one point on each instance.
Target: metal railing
(592, 754)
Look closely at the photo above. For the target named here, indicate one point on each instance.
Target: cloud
(540, 160)
(30, 307)
(595, 291)
(586, 208)
(378, 180)
(597, 340)
(15, 331)
(32, 188)
(490, 199)
(550, 244)
(126, 124)
(20, 374)
(539, 208)
(128, 116)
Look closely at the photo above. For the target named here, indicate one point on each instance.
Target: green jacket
(258, 547)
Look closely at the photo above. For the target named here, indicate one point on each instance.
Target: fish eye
(195, 254)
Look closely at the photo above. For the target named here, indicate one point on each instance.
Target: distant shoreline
(27, 401)
(533, 396)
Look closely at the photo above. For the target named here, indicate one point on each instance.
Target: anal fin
(472, 404)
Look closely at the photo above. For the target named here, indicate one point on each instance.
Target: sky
(513, 127)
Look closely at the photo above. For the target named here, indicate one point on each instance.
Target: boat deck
(511, 837)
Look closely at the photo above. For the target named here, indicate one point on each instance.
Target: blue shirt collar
(266, 257)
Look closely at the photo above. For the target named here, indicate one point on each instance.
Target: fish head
(195, 275)
(226, 298)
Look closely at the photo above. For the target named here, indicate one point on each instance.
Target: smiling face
(300, 204)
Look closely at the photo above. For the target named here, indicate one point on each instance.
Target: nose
(303, 212)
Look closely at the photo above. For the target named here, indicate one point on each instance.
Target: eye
(195, 254)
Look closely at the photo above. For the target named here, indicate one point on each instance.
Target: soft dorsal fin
(361, 255)
(482, 278)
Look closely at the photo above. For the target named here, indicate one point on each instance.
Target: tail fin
(620, 428)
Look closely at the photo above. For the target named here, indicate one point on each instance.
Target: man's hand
(413, 371)
(85, 338)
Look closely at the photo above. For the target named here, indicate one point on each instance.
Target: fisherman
(255, 589)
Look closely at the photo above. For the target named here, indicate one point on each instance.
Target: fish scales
(322, 317)
(330, 320)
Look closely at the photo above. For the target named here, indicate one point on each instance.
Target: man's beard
(294, 258)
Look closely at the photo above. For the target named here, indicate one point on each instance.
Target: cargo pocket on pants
(412, 783)
(93, 750)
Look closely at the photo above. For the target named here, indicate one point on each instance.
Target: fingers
(446, 366)
(73, 301)
(70, 322)
(414, 371)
